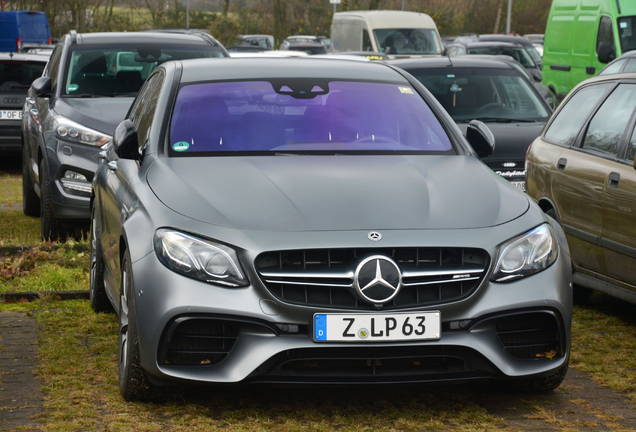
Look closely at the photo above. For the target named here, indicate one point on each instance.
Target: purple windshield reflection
(352, 116)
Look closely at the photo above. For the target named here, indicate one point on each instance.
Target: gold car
(581, 171)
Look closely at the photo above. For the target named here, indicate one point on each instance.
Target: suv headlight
(199, 258)
(68, 130)
(527, 254)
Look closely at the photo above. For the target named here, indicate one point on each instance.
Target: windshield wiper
(497, 120)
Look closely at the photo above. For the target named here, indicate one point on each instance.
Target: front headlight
(527, 254)
(199, 258)
(68, 130)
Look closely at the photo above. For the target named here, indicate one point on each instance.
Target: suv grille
(324, 277)
(197, 341)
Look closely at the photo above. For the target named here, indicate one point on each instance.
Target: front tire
(52, 229)
(99, 299)
(30, 200)
(133, 381)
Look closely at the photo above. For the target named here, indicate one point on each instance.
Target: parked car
(525, 43)
(17, 71)
(491, 90)
(624, 64)
(581, 172)
(306, 38)
(37, 48)
(310, 48)
(514, 50)
(318, 221)
(73, 109)
(582, 37)
(398, 34)
(18, 27)
(252, 43)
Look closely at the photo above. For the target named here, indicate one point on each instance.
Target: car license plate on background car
(10, 115)
(377, 327)
(519, 185)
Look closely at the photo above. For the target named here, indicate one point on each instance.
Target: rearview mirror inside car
(481, 138)
(125, 141)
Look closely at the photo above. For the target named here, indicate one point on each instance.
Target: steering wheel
(487, 108)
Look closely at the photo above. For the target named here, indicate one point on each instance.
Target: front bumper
(266, 340)
(71, 204)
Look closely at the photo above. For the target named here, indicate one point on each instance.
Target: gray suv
(73, 109)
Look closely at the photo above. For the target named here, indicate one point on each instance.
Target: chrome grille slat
(324, 277)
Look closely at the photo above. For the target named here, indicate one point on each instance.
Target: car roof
(467, 61)
(24, 57)
(141, 37)
(610, 77)
(505, 38)
(492, 44)
(197, 70)
(307, 44)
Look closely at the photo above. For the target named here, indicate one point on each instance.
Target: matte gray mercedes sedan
(318, 221)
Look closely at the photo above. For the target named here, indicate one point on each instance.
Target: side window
(608, 125)
(631, 148)
(366, 41)
(571, 118)
(614, 68)
(144, 110)
(631, 66)
(53, 66)
(605, 33)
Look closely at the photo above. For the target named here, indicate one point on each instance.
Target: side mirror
(125, 141)
(42, 86)
(605, 52)
(480, 137)
(537, 78)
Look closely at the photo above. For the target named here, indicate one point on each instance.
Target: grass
(18, 229)
(10, 188)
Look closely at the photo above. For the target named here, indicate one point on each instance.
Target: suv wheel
(30, 200)
(98, 298)
(51, 228)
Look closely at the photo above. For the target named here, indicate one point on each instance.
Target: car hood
(101, 114)
(511, 139)
(327, 193)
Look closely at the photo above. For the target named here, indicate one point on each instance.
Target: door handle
(112, 165)
(561, 164)
(613, 179)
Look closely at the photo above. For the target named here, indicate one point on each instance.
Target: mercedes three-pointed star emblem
(377, 279)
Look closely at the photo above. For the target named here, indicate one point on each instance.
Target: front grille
(324, 277)
(369, 364)
(197, 341)
(529, 335)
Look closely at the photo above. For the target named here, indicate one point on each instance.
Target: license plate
(11, 115)
(377, 327)
(519, 185)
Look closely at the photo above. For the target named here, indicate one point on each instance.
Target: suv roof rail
(73, 34)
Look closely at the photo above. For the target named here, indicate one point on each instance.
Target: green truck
(582, 36)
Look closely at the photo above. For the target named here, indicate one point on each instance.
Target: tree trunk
(374, 4)
(499, 7)
(280, 21)
(226, 7)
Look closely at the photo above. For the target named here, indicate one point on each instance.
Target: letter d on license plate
(377, 327)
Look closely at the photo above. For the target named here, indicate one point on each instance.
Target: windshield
(303, 115)
(627, 33)
(408, 41)
(109, 71)
(19, 74)
(517, 53)
(483, 93)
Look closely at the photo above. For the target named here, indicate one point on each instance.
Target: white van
(396, 33)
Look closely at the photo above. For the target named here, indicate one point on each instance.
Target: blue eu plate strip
(320, 327)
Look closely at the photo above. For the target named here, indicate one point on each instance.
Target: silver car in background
(318, 221)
